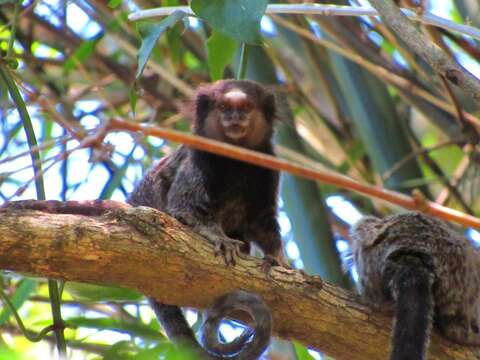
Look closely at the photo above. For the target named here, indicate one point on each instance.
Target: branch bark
(427, 50)
(146, 250)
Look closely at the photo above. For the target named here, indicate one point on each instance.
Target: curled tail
(253, 342)
(249, 346)
(175, 326)
(410, 284)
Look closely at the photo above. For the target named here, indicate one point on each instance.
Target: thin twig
(271, 162)
(385, 74)
(73, 344)
(467, 45)
(44, 145)
(94, 140)
(25, 167)
(429, 52)
(27, 333)
(24, 11)
(437, 170)
(387, 174)
(158, 68)
(458, 174)
(467, 128)
(326, 10)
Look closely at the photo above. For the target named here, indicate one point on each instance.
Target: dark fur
(229, 202)
(428, 270)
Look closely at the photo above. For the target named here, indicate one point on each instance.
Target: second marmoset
(428, 270)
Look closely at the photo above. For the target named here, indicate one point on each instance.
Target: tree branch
(324, 10)
(149, 251)
(318, 173)
(427, 50)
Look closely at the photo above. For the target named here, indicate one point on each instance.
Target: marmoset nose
(236, 118)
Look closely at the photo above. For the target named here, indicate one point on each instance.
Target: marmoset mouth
(236, 132)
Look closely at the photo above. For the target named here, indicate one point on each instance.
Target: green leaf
(12, 63)
(8, 1)
(5, 352)
(302, 352)
(90, 292)
(239, 19)
(127, 350)
(3, 92)
(133, 97)
(170, 3)
(121, 350)
(133, 328)
(174, 43)
(311, 231)
(377, 121)
(221, 49)
(150, 33)
(24, 288)
(114, 3)
(159, 352)
(80, 55)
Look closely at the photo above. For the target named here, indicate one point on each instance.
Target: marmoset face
(236, 112)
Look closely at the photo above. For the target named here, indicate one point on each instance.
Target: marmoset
(430, 273)
(231, 203)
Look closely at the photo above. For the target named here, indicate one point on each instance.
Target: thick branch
(148, 251)
(427, 50)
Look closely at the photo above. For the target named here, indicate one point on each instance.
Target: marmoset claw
(270, 261)
(229, 249)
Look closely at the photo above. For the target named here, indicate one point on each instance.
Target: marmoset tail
(429, 271)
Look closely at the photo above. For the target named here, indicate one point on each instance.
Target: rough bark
(148, 251)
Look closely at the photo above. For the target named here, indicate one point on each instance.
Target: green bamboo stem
(242, 68)
(13, 31)
(58, 324)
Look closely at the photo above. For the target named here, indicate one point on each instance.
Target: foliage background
(340, 109)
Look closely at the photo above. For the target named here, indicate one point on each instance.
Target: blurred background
(353, 99)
